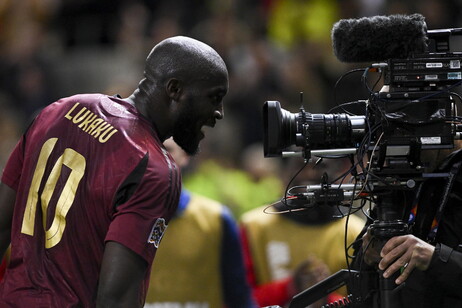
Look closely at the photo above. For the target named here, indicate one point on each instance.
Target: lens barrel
(310, 131)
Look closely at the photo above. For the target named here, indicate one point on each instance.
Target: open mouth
(204, 130)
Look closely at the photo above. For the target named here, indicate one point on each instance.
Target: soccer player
(89, 189)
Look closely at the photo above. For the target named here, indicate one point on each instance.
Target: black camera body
(414, 111)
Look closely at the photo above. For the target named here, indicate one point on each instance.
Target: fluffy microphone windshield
(379, 38)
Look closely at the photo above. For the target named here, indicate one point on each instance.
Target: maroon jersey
(90, 169)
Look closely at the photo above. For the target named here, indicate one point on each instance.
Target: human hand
(407, 252)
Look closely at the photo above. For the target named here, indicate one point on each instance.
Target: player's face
(201, 105)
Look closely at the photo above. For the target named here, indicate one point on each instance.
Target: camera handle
(390, 210)
(388, 290)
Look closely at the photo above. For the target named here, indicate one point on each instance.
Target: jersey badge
(157, 232)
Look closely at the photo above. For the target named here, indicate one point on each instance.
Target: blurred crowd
(274, 50)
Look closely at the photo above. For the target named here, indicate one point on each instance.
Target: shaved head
(183, 57)
(184, 83)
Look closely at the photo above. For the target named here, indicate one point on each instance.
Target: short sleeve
(140, 222)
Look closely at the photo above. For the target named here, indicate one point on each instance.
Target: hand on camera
(402, 253)
(405, 252)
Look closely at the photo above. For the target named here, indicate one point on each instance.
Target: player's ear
(174, 88)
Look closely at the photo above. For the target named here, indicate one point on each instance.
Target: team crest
(157, 232)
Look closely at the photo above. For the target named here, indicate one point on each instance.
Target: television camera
(414, 111)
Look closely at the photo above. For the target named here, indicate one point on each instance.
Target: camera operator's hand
(405, 252)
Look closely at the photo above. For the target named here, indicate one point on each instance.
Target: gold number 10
(73, 160)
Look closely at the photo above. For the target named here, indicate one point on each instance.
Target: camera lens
(280, 128)
(310, 131)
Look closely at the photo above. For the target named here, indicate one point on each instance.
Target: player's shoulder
(83, 99)
(95, 103)
(81, 104)
(160, 166)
